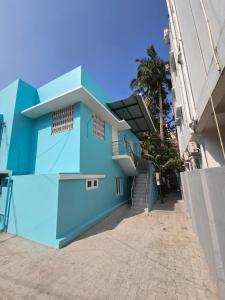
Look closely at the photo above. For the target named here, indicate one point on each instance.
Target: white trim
(92, 187)
(80, 94)
(80, 176)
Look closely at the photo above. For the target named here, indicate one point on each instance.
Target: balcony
(124, 152)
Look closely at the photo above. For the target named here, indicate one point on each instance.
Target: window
(118, 185)
(98, 127)
(91, 184)
(62, 119)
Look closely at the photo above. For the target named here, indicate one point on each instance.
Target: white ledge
(80, 176)
(79, 94)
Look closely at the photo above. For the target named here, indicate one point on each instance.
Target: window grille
(62, 119)
(118, 186)
(92, 184)
(98, 127)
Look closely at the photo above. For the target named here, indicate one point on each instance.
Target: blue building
(68, 157)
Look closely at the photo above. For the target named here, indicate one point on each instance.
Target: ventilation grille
(98, 127)
(62, 119)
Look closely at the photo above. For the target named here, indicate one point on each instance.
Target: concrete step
(141, 182)
(142, 175)
(139, 201)
(139, 196)
(137, 183)
(140, 189)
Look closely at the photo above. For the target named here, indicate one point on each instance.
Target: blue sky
(42, 39)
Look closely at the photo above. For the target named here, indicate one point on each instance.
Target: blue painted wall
(43, 208)
(33, 209)
(153, 190)
(93, 88)
(7, 107)
(56, 153)
(20, 147)
(60, 85)
(79, 209)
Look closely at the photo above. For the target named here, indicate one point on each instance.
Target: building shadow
(169, 203)
(110, 222)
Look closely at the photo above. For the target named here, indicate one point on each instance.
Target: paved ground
(127, 256)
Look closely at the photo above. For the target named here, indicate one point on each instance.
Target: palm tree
(153, 82)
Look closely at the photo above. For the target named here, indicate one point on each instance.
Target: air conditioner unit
(193, 148)
(167, 67)
(173, 94)
(179, 58)
(166, 36)
(178, 115)
(172, 62)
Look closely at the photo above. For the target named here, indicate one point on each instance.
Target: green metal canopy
(135, 113)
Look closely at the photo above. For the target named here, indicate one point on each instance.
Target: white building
(197, 60)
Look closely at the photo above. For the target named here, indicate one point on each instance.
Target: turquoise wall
(7, 107)
(60, 85)
(69, 81)
(93, 88)
(16, 135)
(20, 147)
(79, 209)
(153, 190)
(53, 212)
(33, 208)
(56, 153)
(43, 208)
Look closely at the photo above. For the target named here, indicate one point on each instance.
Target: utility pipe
(210, 37)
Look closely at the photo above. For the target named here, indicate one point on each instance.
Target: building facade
(66, 160)
(196, 35)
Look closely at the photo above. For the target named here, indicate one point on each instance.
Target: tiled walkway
(127, 256)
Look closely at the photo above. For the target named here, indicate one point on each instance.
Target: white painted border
(100, 109)
(80, 176)
(92, 187)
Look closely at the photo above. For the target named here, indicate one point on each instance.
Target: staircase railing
(132, 190)
(123, 147)
(147, 190)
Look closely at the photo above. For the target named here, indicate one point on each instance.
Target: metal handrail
(132, 189)
(126, 148)
(146, 190)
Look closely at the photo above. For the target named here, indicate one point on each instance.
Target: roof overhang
(79, 94)
(135, 113)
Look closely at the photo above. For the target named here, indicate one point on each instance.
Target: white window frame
(92, 186)
(98, 127)
(119, 186)
(62, 119)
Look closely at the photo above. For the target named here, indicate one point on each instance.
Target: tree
(153, 82)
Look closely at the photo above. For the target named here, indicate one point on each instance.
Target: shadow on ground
(110, 222)
(169, 204)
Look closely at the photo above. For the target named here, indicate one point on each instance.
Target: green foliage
(152, 75)
(163, 155)
(153, 81)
